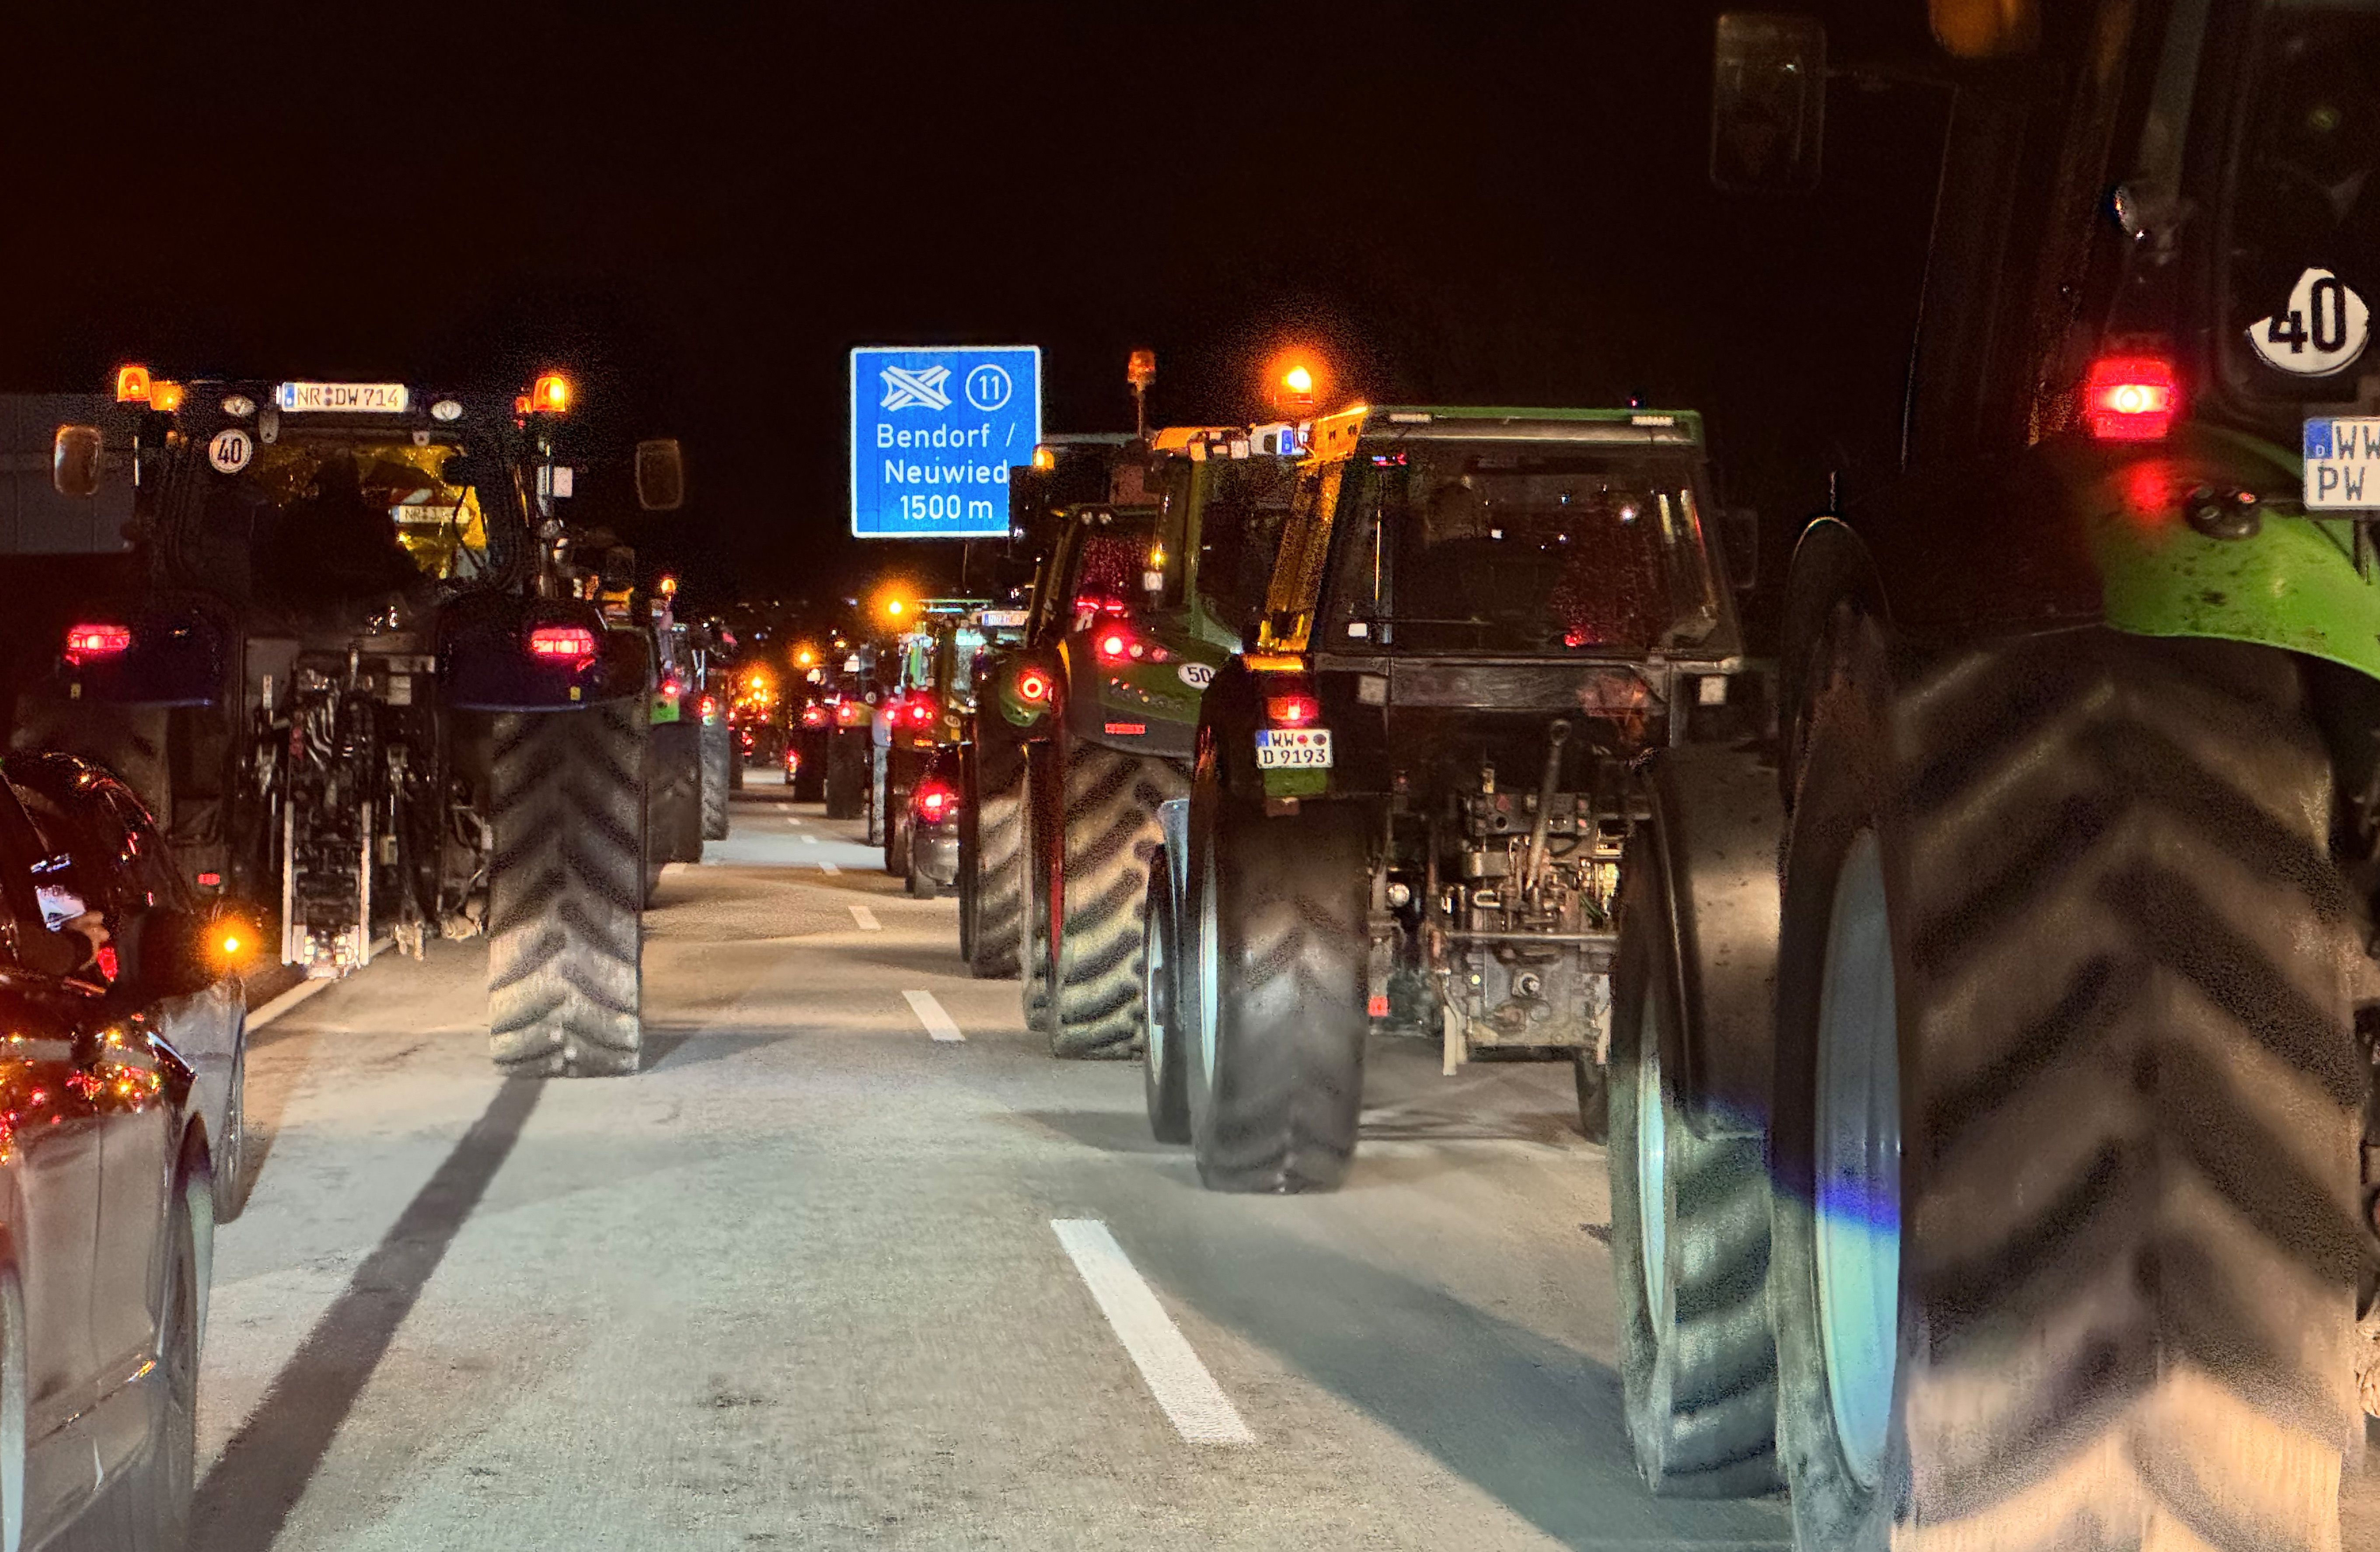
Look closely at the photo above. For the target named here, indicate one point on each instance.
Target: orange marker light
(1298, 380)
(549, 394)
(164, 396)
(132, 385)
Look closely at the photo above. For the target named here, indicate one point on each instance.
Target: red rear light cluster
(1113, 644)
(814, 715)
(850, 713)
(1033, 685)
(1293, 711)
(1089, 603)
(917, 710)
(567, 646)
(707, 706)
(85, 642)
(936, 802)
(2131, 398)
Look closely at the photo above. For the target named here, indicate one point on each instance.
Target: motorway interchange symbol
(905, 389)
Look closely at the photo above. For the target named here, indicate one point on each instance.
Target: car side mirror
(74, 461)
(1768, 103)
(1742, 528)
(661, 475)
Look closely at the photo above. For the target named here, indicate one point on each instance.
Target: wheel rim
(1152, 996)
(1210, 975)
(1652, 1172)
(1858, 1163)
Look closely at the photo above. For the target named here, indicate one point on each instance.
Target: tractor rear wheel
(565, 936)
(2065, 1231)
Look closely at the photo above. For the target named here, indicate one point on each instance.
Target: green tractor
(1136, 608)
(1067, 471)
(2003, 1180)
(919, 717)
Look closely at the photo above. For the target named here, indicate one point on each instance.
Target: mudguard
(484, 662)
(1718, 823)
(180, 655)
(2294, 584)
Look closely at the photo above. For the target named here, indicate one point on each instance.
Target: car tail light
(87, 641)
(936, 802)
(571, 646)
(1033, 686)
(108, 962)
(673, 688)
(850, 713)
(917, 710)
(1293, 711)
(210, 881)
(2131, 398)
(707, 708)
(814, 716)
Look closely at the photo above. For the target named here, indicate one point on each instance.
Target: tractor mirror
(661, 475)
(1768, 103)
(74, 461)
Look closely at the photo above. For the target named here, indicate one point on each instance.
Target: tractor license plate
(350, 398)
(2342, 464)
(1293, 748)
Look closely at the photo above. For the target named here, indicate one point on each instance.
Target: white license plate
(2342, 464)
(348, 398)
(1294, 749)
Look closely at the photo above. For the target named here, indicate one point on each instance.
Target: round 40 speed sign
(230, 451)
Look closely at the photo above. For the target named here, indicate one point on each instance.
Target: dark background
(699, 210)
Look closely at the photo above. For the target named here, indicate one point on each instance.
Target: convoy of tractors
(1967, 975)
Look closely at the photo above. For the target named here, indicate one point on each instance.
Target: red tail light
(707, 706)
(2131, 398)
(850, 713)
(1114, 646)
(936, 802)
(85, 642)
(570, 645)
(1033, 686)
(917, 710)
(672, 686)
(1090, 603)
(813, 716)
(1293, 711)
(109, 963)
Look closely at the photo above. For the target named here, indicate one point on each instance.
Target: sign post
(934, 434)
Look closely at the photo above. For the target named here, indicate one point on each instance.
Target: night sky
(700, 217)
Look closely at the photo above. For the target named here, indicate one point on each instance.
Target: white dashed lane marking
(1200, 1410)
(867, 919)
(931, 1012)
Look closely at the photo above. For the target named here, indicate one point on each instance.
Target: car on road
(107, 1194)
(930, 857)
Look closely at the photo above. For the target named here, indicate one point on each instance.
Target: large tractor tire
(992, 858)
(674, 798)
(1095, 861)
(1689, 1245)
(2063, 909)
(564, 934)
(845, 788)
(1041, 820)
(875, 799)
(720, 767)
(900, 779)
(1279, 979)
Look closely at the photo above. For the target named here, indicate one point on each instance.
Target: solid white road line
(930, 1013)
(1200, 1410)
(829, 867)
(867, 919)
(257, 1018)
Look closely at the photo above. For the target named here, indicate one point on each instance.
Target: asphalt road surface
(854, 1263)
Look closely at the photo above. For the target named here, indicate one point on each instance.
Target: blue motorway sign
(933, 433)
